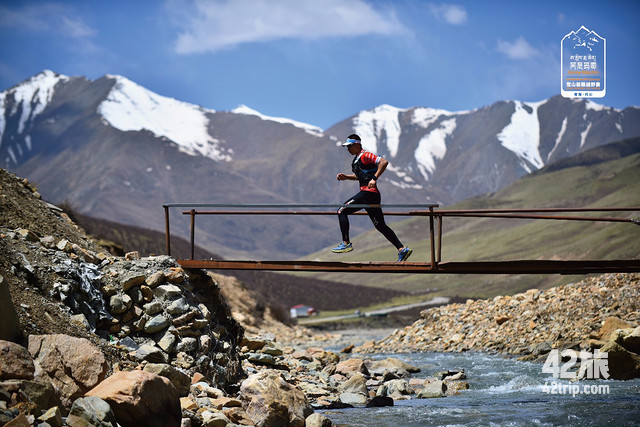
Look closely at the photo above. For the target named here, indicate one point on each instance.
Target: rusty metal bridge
(432, 265)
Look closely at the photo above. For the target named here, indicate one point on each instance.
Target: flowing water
(503, 392)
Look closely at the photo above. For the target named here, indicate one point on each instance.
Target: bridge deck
(495, 267)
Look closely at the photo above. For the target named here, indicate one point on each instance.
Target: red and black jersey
(364, 166)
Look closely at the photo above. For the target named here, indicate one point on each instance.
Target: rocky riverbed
(601, 312)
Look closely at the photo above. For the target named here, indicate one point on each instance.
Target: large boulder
(270, 401)
(140, 399)
(73, 365)
(628, 338)
(610, 325)
(623, 364)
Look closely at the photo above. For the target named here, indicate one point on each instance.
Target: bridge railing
(425, 210)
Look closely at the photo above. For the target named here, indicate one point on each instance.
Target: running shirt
(364, 166)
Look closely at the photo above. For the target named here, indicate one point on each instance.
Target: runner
(367, 168)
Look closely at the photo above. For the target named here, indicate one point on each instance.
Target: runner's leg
(343, 216)
(377, 218)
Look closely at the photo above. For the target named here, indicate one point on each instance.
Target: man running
(367, 168)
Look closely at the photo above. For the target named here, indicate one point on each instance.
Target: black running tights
(376, 215)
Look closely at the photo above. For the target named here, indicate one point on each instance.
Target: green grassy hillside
(607, 183)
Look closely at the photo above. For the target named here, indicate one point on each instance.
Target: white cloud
(519, 49)
(451, 13)
(208, 26)
(55, 18)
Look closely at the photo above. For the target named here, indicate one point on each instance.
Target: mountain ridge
(118, 151)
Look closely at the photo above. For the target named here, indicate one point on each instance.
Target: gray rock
(353, 398)
(131, 280)
(396, 366)
(117, 304)
(157, 323)
(152, 354)
(154, 307)
(178, 307)
(356, 384)
(540, 348)
(261, 358)
(167, 292)
(214, 419)
(318, 420)
(436, 388)
(270, 349)
(129, 344)
(168, 341)
(94, 410)
(187, 345)
(52, 417)
(48, 242)
(395, 388)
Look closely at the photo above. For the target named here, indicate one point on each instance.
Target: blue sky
(321, 61)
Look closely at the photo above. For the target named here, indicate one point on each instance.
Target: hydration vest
(363, 172)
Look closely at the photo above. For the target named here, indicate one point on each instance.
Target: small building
(302, 310)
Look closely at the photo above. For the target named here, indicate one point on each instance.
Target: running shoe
(404, 254)
(342, 248)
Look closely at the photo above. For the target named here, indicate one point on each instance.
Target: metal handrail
(434, 215)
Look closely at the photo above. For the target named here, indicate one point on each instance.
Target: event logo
(583, 64)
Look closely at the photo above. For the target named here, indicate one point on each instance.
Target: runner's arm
(343, 177)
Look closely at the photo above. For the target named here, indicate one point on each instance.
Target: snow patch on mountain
(380, 124)
(584, 133)
(425, 117)
(30, 98)
(590, 105)
(522, 134)
(563, 129)
(310, 129)
(130, 107)
(404, 181)
(433, 146)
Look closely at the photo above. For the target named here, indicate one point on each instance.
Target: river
(503, 392)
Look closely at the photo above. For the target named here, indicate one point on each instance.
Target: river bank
(523, 324)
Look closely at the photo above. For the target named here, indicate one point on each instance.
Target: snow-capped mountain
(454, 155)
(119, 151)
